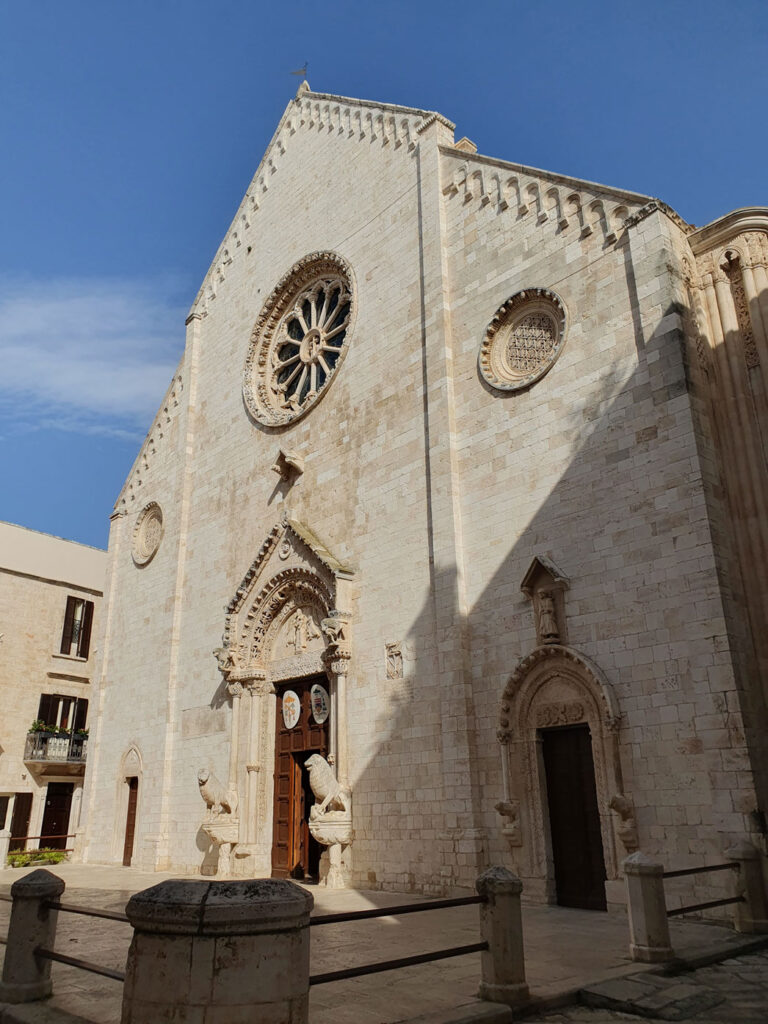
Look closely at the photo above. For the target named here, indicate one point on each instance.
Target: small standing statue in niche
(548, 631)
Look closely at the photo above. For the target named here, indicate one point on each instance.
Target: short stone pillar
(752, 914)
(5, 842)
(647, 908)
(218, 951)
(501, 926)
(27, 977)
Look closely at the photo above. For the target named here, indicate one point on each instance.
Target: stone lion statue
(217, 797)
(332, 796)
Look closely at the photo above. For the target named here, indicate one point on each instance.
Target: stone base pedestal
(334, 830)
(219, 953)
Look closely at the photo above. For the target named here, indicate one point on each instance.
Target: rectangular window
(78, 618)
(64, 712)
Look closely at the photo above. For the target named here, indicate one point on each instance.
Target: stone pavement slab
(565, 951)
(652, 995)
(732, 992)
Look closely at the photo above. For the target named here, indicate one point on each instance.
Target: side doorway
(574, 817)
(295, 854)
(130, 819)
(58, 804)
(22, 812)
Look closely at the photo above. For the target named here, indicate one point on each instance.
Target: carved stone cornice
(725, 229)
(658, 206)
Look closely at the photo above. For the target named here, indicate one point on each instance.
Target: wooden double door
(574, 818)
(295, 854)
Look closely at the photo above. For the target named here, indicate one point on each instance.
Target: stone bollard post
(219, 953)
(752, 914)
(27, 977)
(5, 842)
(648, 924)
(501, 926)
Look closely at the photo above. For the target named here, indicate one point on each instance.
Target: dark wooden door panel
(294, 852)
(22, 812)
(58, 802)
(130, 820)
(574, 819)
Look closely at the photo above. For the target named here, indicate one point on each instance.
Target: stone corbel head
(510, 811)
(336, 629)
(228, 659)
(626, 828)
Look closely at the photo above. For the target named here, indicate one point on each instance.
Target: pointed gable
(381, 124)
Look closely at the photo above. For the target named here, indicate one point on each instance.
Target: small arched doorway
(128, 804)
(558, 730)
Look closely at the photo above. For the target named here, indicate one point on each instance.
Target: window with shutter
(56, 709)
(76, 635)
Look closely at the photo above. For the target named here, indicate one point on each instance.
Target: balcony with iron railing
(44, 749)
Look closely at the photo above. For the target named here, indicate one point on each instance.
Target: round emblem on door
(291, 708)
(321, 705)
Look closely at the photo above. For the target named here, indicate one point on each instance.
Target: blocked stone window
(300, 340)
(523, 340)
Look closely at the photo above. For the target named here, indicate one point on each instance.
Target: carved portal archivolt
(555, 686)
(286, 621)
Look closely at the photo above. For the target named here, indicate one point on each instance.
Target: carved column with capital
(340, 668)
(258, 688)
(235, 690)
(338, 654)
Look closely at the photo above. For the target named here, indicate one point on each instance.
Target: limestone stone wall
(438, 490)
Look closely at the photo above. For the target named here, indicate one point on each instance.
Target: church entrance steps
(566, 950)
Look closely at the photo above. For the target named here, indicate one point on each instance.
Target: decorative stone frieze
(560, 713)
(394, 660)
(148, 533)
(731, 264)
(300, 339)
(523, 339)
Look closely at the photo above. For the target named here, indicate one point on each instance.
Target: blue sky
(131, 131)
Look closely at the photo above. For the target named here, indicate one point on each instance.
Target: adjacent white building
(459, 485)
(50, 604)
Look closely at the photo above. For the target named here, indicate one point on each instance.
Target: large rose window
(299, 340)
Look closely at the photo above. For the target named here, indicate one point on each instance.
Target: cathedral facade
(446, 547)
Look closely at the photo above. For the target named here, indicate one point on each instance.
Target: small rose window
(523, 340)
(148, 533)
(299, 340)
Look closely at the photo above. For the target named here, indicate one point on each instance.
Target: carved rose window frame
(524, 340)
(300, 339)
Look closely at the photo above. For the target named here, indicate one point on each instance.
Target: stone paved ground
(732, 992)
(565, 950)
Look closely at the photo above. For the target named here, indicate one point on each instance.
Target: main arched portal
(284, 658)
